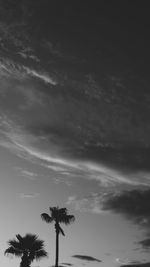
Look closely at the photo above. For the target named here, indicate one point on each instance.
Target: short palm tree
(58, 215)
(28, 247)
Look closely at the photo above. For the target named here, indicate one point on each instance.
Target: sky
(75, 129)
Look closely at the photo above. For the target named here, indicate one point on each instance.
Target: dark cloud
(67, 264)
(145, 243)
(86, 258)
(137, 265)
(134, 204)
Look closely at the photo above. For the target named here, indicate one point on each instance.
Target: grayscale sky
(75, 128)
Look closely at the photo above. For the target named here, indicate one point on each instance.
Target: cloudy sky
(75, 128)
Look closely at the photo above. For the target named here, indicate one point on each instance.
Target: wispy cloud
(56, 168)
(127, 262)
(28, 195)
(15, 70)
(91, 171)
(26, 144)
(28, 174)
(28, 53)
(104, 175)
(54, 49)
(11, 69)
(40, 75)
(79, 204)
(92, 203)
(138, 264)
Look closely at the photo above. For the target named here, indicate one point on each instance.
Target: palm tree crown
(28, 247)
(58, 215)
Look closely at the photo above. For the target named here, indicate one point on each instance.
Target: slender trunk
(57, 245)
(24, 261)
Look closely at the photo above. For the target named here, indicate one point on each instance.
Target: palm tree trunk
(24, 261)
(57, 249)
(57, 245)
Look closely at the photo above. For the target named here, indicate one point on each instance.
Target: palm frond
(29, 240)
(40, 254)
(15, 243)
(13, 251)
(30, 237)
(61, 215)
(54, 211)
(37, 245)
(45, 217)
(69, 219)
(19, 237)
(66, 219)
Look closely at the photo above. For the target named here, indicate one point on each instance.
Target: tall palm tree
(28, 247)
(58, 215)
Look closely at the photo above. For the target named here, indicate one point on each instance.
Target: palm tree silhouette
(28, 247)
(58, 215)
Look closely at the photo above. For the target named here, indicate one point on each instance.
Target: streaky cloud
(13, 70)
(88, 170)
(41, 75)
(24, 142)
(28, 174)
(28, 195)
(93, 202)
